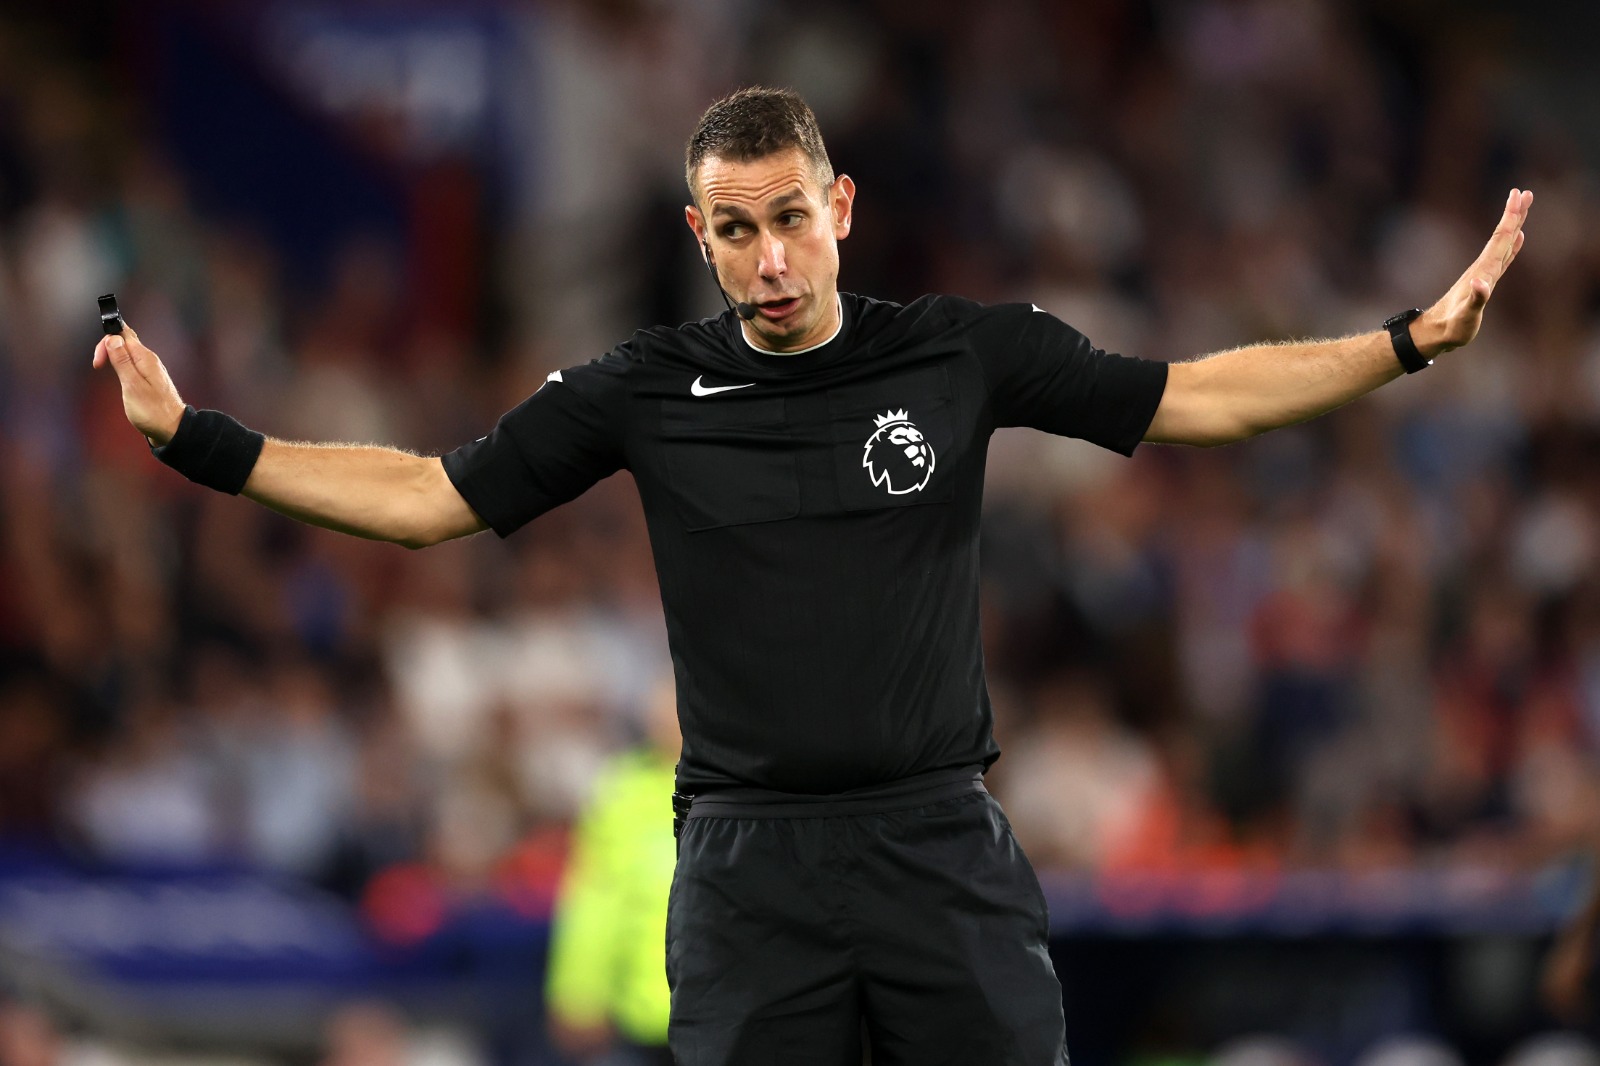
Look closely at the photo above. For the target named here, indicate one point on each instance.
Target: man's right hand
(149, 398)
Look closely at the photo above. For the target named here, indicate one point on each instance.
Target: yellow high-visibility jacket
(608, 955)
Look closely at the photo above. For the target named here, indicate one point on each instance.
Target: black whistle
(110, 317)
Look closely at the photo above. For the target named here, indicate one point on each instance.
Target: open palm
(1459, 312)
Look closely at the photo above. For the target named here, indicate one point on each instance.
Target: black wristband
(1405, 349)
(213, 450)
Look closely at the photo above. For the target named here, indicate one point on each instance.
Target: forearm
(1232, 395)
(1241, 393)
(364, 490)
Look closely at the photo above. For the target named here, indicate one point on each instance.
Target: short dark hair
(753, 123)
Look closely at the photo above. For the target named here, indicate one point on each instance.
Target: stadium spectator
(373, 1033)
(31, 1036)
(1567, 981)
(1078, 781)
(151, 797)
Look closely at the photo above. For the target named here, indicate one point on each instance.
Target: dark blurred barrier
(1153, 966)
(1147, 961)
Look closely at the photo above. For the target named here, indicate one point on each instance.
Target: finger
(141, 359)
(1518, 205)
(1511, 220)
(116, 353)
(131, 361)
(100, 353)
(1497, 253)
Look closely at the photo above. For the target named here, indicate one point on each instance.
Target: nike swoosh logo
(711, 390)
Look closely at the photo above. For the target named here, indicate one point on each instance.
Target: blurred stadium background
(1302, 733)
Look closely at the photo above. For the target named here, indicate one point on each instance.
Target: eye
(791, 218)
(734, 230)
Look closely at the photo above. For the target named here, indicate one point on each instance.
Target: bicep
(449, 514)
(1191, 411)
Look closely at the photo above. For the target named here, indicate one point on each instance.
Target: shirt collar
(838, 304)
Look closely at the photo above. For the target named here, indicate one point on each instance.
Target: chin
(791, 332)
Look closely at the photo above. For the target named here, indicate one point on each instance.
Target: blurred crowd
(1372, 640)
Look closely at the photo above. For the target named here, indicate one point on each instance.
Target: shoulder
(932, 309)
(937, 312)
(622, 369)
(687, 340)
(926, 318)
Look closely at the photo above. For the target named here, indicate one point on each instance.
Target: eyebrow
(781, 200)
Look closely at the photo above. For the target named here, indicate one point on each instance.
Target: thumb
(1481, 288)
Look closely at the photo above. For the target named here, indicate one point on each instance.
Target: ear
(697, 223)
(841, 201)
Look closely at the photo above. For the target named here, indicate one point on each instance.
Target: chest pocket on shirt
(730, 461)
(894, 441)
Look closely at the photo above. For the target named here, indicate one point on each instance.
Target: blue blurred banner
(202, 953)
(247, 930)
(1441, 902)
(230, 928)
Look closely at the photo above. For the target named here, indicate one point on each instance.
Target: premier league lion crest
(898, 456)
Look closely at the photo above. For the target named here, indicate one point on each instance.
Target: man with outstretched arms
(811, 466)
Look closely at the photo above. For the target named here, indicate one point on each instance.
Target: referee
(811, 467)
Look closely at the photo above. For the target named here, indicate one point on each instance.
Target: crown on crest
(893, 416)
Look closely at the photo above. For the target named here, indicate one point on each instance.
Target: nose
(772, 264)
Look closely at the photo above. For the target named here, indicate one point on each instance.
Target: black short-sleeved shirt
(814, 518)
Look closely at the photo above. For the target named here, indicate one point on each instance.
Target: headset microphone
(742, 309)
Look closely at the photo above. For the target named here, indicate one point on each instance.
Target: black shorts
(916, 919)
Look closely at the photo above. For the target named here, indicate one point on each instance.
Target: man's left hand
(1455, 319)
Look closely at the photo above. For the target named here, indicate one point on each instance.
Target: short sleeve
(1045, 374)
(546, 450)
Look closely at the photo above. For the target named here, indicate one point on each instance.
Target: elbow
(437, 530)
(1231, 435)
(1232, 429)
(1201, 418)
(423, 537)
(1204, 407)
(1213, 435)
(431, 512)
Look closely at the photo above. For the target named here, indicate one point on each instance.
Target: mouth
(777, 310)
